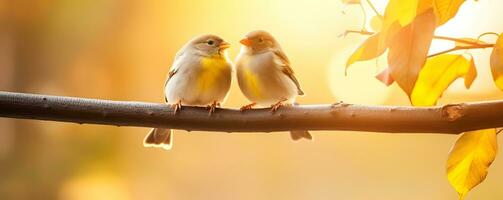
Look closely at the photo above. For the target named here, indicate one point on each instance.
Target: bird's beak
(224, 45)
(247, 42)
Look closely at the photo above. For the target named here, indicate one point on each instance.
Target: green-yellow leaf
(408, 50)
(437, 74)
(497, 63)
(368, 50)
(470, 158)
(446, 9)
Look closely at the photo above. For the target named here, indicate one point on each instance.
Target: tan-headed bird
(265, 75)
(200, 76)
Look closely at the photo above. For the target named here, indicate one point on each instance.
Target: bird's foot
(177, 106)
(276, 106)
(247, 107)
(211, 108)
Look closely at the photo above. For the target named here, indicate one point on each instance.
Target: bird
(265, 75)
(200, 75)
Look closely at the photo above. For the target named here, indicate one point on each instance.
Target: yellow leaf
(368, 50)
(470, 158)
(376, 23)
(472, 40)
(497, 63)
(351, 1)
(408, 50)
(437, 74)
(446, 9)
(404, 12)
(398, 14)
(385, 77)
(424, 6)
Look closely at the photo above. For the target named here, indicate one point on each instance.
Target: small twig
(363, 32)
(457, 40)
(487, 33)
(479, 46)
(435, 37)
(374, 8)
(364, 18)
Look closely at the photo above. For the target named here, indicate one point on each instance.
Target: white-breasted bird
(265, 76)
(200, 76)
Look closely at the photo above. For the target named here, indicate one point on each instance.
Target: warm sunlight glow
(124, 50)
(359, 86)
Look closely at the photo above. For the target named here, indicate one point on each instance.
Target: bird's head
(259, 41)
(209, 45)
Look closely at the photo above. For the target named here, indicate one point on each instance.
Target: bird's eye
(211, 42)
(261, 40)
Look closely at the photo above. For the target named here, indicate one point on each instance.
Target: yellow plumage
(211, 69)
(252, 83)
(200, 76)
(265, 76)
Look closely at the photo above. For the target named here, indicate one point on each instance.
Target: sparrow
(199, 76)
(265, 76)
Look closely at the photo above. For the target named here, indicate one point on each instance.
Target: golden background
(122, 49)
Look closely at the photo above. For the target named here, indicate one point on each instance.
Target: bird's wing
(173, 70)
(171, 73)
(286, 69)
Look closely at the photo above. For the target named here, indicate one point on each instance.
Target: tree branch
(451, 119)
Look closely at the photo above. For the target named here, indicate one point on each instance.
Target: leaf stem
(457, 40)
(364, 18)
(478, 46)
(487, 33)
(362, 32)
(374, 8)
(435, 37)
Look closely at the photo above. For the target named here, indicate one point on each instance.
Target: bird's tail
(297, 135)
(159, 138)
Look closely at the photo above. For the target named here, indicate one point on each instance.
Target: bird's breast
(212, 69)
(262, 81)
(254, 75)
(252, 83)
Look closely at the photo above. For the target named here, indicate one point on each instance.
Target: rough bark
(449, 119)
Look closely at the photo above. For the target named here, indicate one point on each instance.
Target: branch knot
(453, 112)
